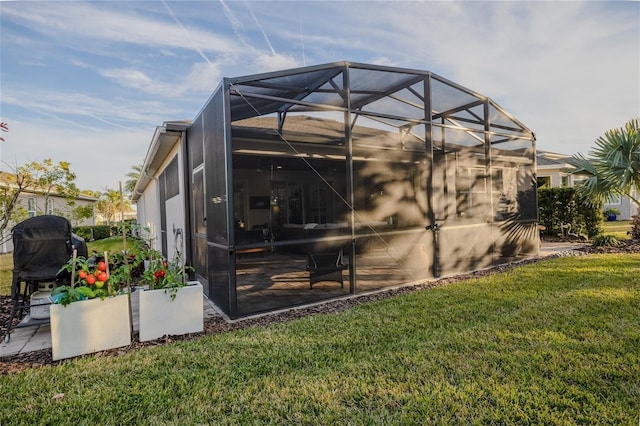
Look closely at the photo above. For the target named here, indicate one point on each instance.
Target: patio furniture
(245, 239)
(326, 266)
(41, 246)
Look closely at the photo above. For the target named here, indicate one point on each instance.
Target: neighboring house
(32, 204)
(624, 205)
(129, 213)
(288, 185)
(552, 173)
(551, 170)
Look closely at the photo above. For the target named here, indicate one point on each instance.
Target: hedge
(90, 233)
(561, 206)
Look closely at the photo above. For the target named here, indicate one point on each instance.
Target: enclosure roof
(399, 94)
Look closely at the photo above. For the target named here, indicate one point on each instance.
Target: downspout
(187, 231)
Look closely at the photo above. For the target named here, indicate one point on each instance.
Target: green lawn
(619, 228)
(554, 342)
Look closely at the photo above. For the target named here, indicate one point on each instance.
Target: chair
(41, 246)
(326, 266)
(249, 238)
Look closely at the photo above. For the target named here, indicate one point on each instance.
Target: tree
(50, 178)
(110, 204)
(5, 128)
(42, 178)
(613, 167)
(132, 178)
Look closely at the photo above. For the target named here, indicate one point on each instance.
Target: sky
(88, 82)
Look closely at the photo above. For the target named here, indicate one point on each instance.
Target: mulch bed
(218, 325)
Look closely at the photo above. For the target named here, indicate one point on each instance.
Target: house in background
(32, 204)
(552, 173)
(551, 170)
(624, 205)
(309, 184)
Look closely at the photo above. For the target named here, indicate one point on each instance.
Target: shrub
(606, 240)
(558, 206)
(91, 233)
(635, 225)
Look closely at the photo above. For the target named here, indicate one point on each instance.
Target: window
(49, 206)
(286, 197)
(565, 181)
(471, 192)
(172, 182)
(31, 207)
(544, 182)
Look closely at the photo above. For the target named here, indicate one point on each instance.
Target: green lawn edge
(554, 342)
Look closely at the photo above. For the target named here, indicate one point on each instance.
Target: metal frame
(281, 94)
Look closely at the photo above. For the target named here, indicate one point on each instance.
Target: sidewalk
(549, 248)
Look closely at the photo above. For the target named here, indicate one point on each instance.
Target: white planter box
(90, 326)
(162, 316)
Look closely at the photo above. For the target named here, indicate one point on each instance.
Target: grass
(618, 228)
(111, 244)
(555, 342)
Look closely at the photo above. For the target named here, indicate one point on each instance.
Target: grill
(41, 246)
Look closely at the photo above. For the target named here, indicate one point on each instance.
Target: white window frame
(31, 207)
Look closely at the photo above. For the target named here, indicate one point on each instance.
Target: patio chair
(326, 266)
(41, 246)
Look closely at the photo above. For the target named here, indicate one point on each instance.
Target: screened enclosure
(324, 181)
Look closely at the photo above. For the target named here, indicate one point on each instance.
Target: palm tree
(613, 167)
(110, 204)
(132, 178)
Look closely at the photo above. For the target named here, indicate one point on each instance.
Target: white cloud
(132, 78)
(202, 78)
(99, 158)
(568, 70)
(270, 62)
(80, 24)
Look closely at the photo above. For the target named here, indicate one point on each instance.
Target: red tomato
(102, 266)
(82, 274)
(102, 276)
(91, 279)
(97, 272)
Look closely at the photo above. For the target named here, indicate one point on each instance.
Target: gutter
(164, 138)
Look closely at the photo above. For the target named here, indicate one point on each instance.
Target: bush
(606, 240)
(635, 225)
(129, 224)
(558, 206)
(91, 233)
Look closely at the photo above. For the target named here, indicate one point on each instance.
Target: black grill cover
(78, 243)
(41, 246)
